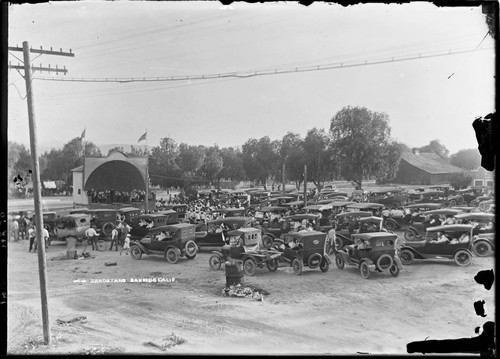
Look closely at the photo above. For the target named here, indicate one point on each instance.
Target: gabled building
(424, 169)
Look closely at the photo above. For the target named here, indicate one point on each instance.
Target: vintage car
(370, 224)
(374, 208)
(180, 208)
(244, 246)
(72, 225)
(431, 218)
(464, 209)
(359, 196)
(412, 215)
(432, 197)
(347, 223)
(172, 216)
(445, 241)
(305, 249)
(142, 223)
(230, 212)
(297, 204)
(471, 194)
(129, 213)
(394, 197)
(371, 251)
(103, 219)
(483, 232)
(172, 241)
(485, 203)
(49, 221)
(326, 213)
(214, 233)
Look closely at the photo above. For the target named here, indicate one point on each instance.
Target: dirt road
(334, 312)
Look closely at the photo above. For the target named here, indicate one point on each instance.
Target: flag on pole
(143, 137)
(83, 134)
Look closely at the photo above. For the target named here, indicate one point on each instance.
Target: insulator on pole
(51, 48)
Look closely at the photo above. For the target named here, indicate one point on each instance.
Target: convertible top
(365, 205)
(444, 211)
(354, 214)
(476, 215)
(450, 227)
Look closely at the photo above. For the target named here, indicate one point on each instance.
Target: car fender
(490, 241)
(218, 253)
(175, 249)
(143, 249)
(344, 256)
(398, 262)
(416, 253)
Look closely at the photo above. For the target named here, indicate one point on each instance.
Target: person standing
(126, 244)
(114, 239)
(92, 235)
(45, 237)
(31, 236)
(15, 230)
(125, 231)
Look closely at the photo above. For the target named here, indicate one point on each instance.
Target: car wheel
(384, 262)
(191, 250)
(314, 260)
(483, 207)
(324, 266)
(482, 249)
(272, 265)
(394, 270)
(249, 267)
(172, 256)
(462, 258)
(453, 203)
(460, 200)
(107, 228)
(339, 243)
(364, 270)
(389, 225)
(215, 262)
(267, 241)
(407, 257)
(297, 266)
(410, 235)
(135, 252)
(101, 245)
(339, 261)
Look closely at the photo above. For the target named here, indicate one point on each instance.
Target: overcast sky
(150, 39)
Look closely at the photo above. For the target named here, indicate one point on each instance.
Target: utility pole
(305, 185)
(42, 265)
(283, 178)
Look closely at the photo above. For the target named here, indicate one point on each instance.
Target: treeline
(357, 146)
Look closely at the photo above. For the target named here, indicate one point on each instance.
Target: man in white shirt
(92, 235)
(45, 237)
(114, 239)
(32, 236)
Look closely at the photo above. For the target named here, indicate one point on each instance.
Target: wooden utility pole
(42, 265)
(305, 185)
(283, 178)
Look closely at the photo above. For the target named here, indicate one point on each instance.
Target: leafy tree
(19, 160)
(319, 157)
(360, 140)
(191, 158)
(469, 159)
(460, 180)
(393, 156)
(292, 154)
(233, 165)
(212, 164)
(260, 158)
(163, 169)
(435, 147)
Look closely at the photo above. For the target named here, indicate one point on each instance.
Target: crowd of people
(113, 196)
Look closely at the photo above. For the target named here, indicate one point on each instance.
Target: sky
(426, 98)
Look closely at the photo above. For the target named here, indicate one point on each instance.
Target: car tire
(191, 249)
(462, 258)
(135, 252)
(460, 200)
(410, 235)
(272, 265)
(482, 249)
(101, 245)
(215, 262)
(324, 266)
(172, 256)
(452, 203)
(107, 228)
(381, 262)
(249, 267)
(389, 225)
(267, 241)
(364, 270)
(339, 261)
(313, 258)
(394, 270)
(407, 257)
(338, 243)
(297, 266)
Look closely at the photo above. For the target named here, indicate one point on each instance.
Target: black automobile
(214, 233)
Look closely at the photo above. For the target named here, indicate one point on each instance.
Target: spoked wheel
(453, 203)
(172, 256)
(482, 249)
(364, 270)
(339, 261)
(191, 249)
(407, 257)
(135, 252)
(410, 235)
(267, 241)
(389, 225)
(249, 267)
(272, 265)
(101, 245)
(297, 266)
(324, 266)
(215, 262)
(394, 270)
(462, 258)
(339, 243)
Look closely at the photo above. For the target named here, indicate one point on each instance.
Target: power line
(248, 74)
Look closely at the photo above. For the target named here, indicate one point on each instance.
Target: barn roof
(430, 163)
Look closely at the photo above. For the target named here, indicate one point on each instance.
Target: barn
(424, 169)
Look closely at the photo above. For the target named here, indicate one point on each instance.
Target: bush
(460, 180)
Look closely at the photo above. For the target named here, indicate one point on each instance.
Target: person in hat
(91, 235)
(126, 244)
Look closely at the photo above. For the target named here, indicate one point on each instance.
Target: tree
(393, 156)
(319, 157)
(435, 147)
(212, 164)
(163, 169)
(469, 159)
(233, 165)
(191, 158)
(292, 153)
(361, 141)
(19, 160)
(460, 180)
(260, 158)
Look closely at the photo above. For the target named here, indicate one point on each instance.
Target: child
(126, 244)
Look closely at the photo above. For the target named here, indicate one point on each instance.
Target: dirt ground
(335, 312)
